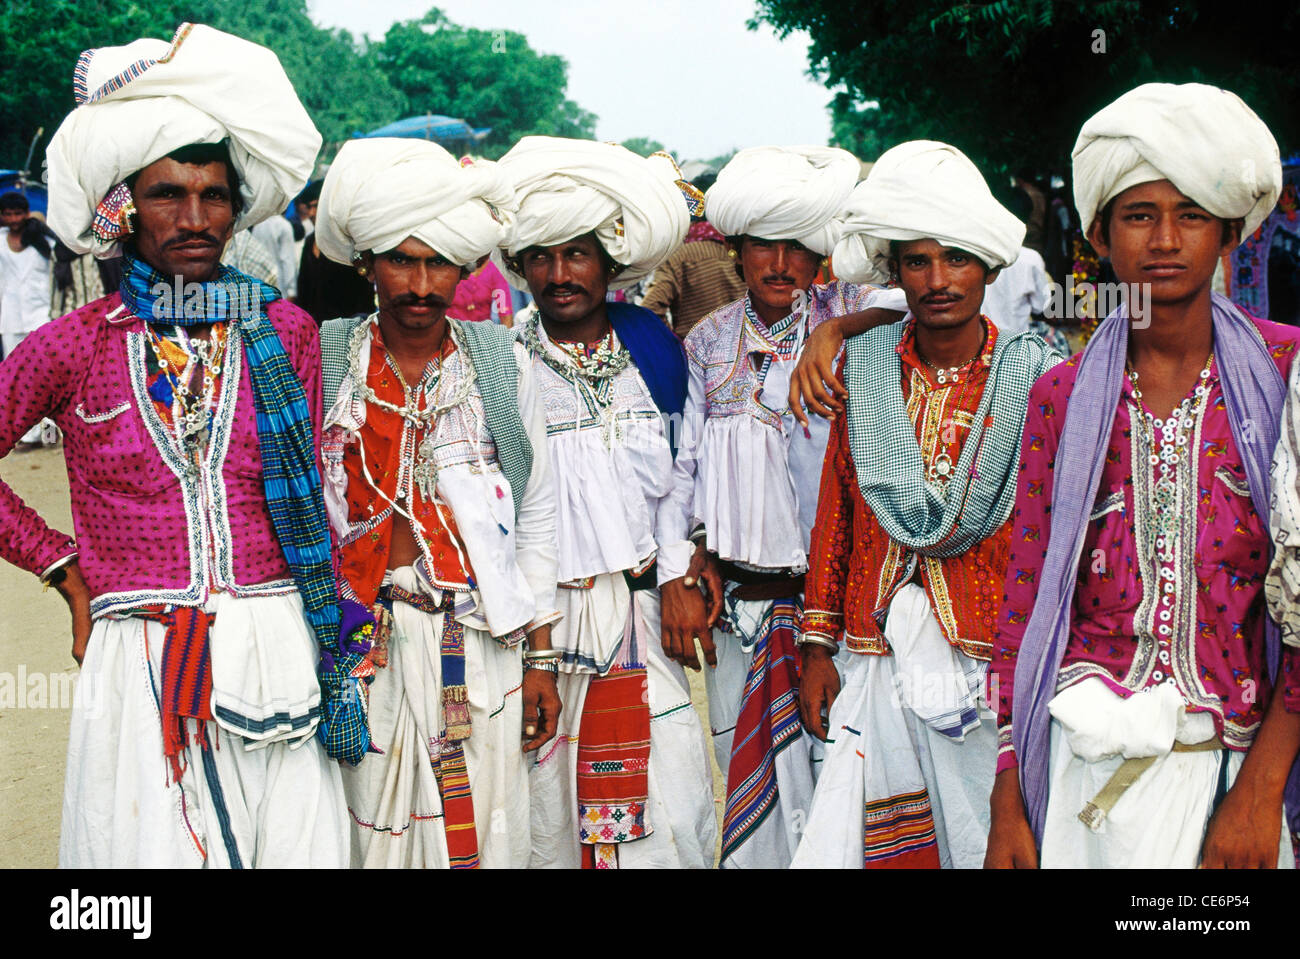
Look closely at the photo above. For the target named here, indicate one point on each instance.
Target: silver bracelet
(551, 666)
(815, 640)
(543, 654)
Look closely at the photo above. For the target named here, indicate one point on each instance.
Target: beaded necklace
(191, 411)
(1174, 443)
(596, 368)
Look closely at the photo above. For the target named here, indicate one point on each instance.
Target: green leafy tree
(1011, 82)
(40, 41)
(644, 146)
(342, 89)
(489, 78)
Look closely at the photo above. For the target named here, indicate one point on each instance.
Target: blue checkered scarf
(290, 476)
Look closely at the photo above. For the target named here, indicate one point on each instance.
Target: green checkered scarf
(923, 517)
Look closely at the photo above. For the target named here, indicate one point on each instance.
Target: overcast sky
(687, 74)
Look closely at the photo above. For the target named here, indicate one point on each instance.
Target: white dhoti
(393, 799)
(680, 813)
(1160, 820)
(262, 794)
(911, 756)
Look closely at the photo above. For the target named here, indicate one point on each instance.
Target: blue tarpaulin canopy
(439, 129)
(31, 188)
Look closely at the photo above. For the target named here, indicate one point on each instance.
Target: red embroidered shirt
(855, 567)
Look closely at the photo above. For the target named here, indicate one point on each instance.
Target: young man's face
(944, 285)
(414, 284)
(12, 218)
(568, 280)
(184, 217)
(1162, 239)
(307, 210)
(776, 271)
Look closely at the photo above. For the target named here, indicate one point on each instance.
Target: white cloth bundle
(923, 190)
(139, 102)
(1203, 140)
(380, 191)
(783, 193)
(568, 188)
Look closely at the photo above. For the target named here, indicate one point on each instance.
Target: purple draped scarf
(1253, 393)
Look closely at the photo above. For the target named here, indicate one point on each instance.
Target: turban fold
(783, 193)
(140, 102)
(568, 188)
(1203, 140)
(380, 191)
(923, 190)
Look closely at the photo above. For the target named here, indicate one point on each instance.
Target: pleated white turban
(568, 188)
(923, 190)
(139, 102)
(783, 193)
(380, 191)
(1203, 140)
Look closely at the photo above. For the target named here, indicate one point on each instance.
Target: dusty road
(37, 674)
(36, 679)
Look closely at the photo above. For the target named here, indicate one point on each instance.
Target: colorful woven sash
(186, 691)
(614, 756)
(768, 723)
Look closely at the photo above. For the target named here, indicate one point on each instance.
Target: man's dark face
(13, 218)
(944, 285)
(184, 217)
(568, 280)
(1161, 238)
(776, 271)
(414, 284)
(307, 210)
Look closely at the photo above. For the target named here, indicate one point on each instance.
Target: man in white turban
(627, 783)
(1150, 711)
(745, 484)
(439, 487)
(200, 581)
(909, 547)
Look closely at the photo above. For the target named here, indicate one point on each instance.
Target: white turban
(568, 188)
(783, 193)
(138, 103)
(380, 191)
(923, 190)
(1203, 140)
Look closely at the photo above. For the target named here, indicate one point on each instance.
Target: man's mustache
(431, 301)
(555, 290)
(191, 237)
(778, 278)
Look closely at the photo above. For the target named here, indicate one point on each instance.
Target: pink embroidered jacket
(150, 528)
(1196, 621)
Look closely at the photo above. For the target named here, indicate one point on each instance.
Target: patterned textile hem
(900, 833)
(612, 823)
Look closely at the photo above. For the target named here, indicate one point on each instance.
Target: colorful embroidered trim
(900, 833)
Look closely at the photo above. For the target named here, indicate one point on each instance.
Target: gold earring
(731, 253)
(826, 261)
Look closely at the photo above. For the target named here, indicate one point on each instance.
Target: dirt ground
(36, 682)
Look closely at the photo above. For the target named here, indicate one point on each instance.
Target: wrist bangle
(543, 655)
(812, 639)
(551, 666)
(55, 578)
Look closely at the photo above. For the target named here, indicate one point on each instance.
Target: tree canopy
(1011, 82)
(491, 78)
(431, 65)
